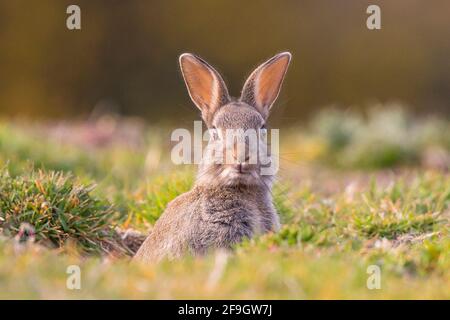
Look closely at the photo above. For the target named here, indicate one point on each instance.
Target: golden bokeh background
(125, 57)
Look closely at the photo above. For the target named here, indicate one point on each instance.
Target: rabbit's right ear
(205, 86)
(263, 86)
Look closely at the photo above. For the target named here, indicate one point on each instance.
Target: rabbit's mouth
(240, 174)
(241, 169)
(232, 175)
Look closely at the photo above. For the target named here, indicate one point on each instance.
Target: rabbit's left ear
(263, 86)
(205, 85)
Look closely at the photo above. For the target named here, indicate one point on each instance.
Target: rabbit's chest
(234, 214)
(226, 222)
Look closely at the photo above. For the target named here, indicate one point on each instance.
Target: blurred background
(124, 59)
(86, 118)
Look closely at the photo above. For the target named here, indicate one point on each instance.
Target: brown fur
(226, 205)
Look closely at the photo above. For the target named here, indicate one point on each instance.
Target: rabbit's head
(237, 125)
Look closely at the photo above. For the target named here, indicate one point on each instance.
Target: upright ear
(206, 87)
(263, 86)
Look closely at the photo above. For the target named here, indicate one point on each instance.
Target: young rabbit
(228, 202)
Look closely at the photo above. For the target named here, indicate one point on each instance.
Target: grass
(338, 218)
(150, 201)
(383, 138)
(54, 209)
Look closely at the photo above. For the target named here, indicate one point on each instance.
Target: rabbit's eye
(263, 129)
(214, 134)
(263, 132)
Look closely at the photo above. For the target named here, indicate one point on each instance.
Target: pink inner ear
(200, 82)
(268, 82)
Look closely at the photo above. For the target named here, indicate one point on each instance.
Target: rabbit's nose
(241, 154)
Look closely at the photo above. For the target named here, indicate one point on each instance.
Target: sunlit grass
(54, 209)
(333, 225)
(381, 139)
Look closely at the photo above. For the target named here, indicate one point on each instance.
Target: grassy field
(353, 191)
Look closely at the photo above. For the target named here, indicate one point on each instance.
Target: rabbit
(228, 202)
